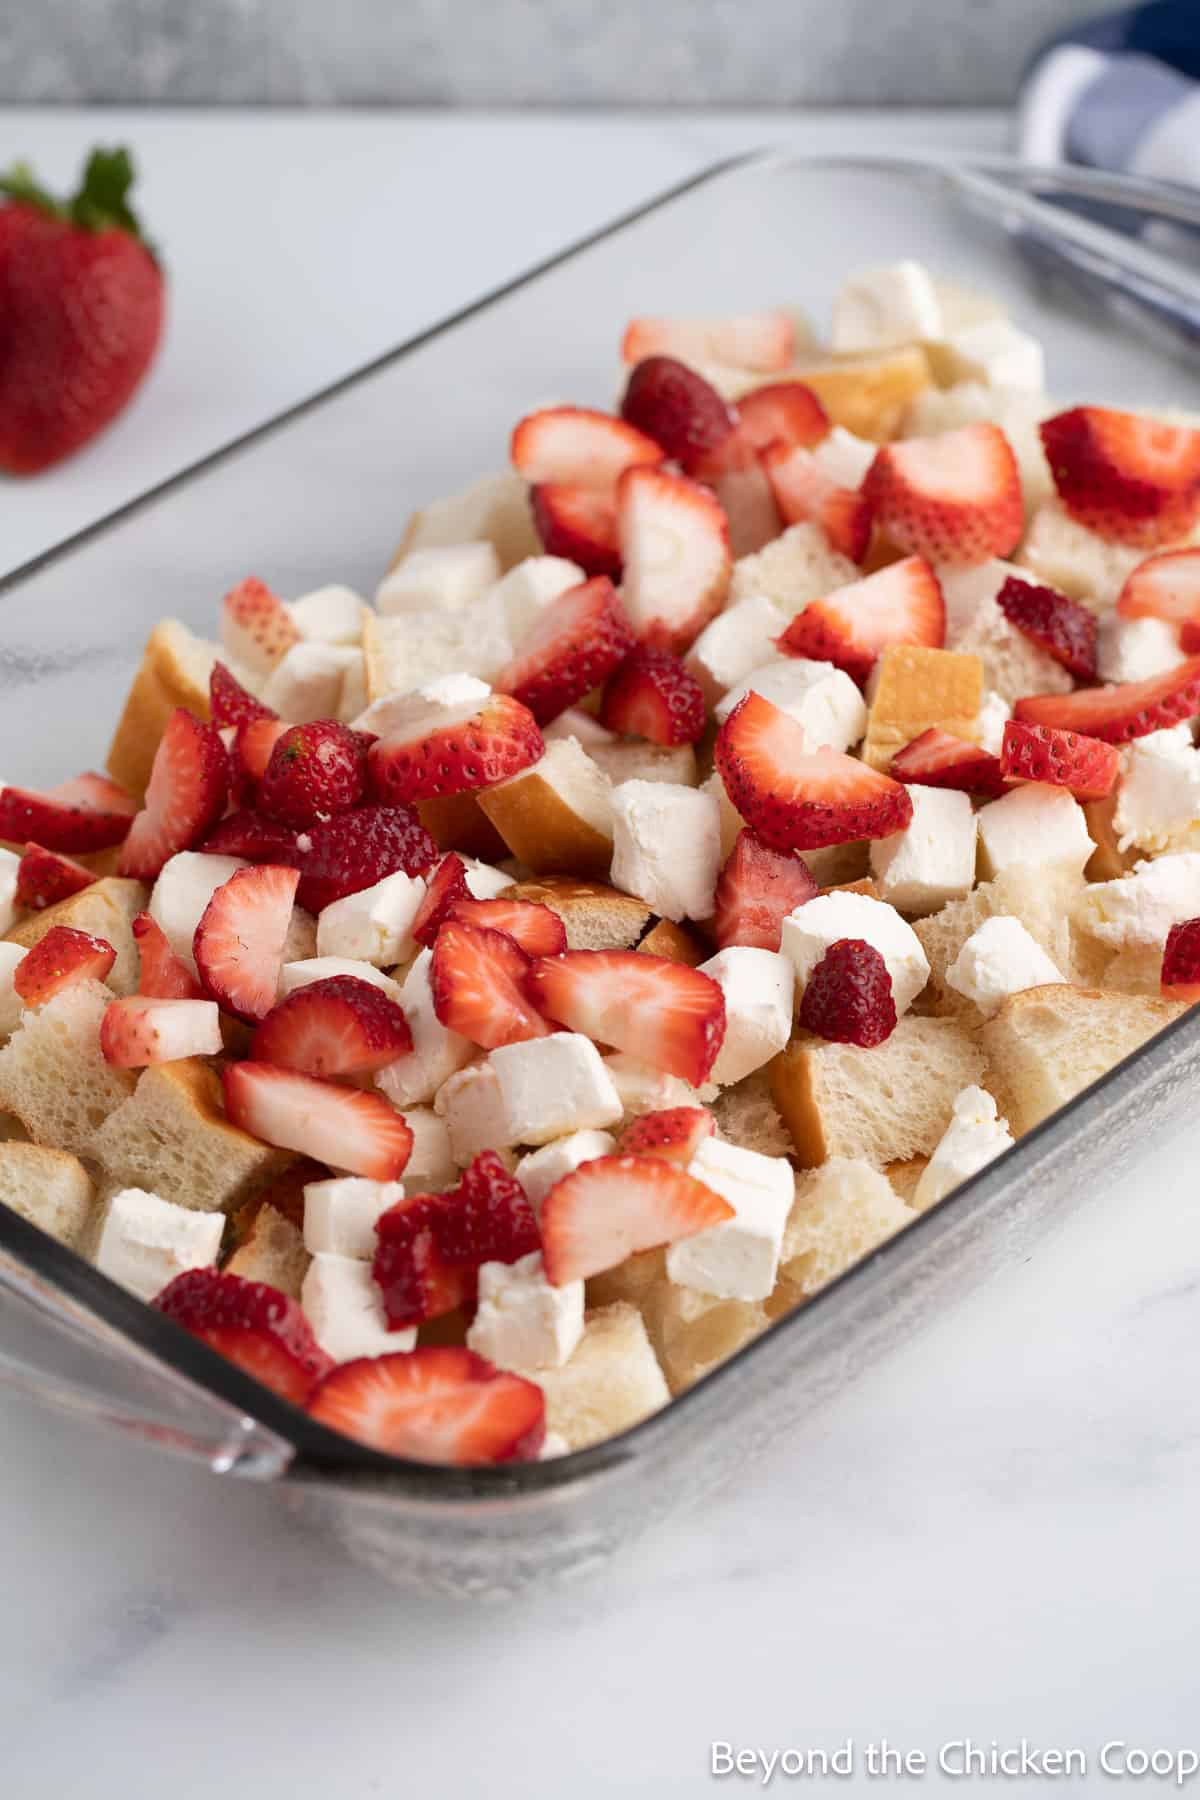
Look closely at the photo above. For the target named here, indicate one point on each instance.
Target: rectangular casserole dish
(322, 494)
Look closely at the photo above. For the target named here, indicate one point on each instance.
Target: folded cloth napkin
(1121, 93)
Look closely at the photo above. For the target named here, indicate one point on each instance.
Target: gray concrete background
(524, 52)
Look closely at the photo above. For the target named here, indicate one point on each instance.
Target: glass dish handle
(58, 1352)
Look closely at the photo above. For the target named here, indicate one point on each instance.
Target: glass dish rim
(320, 1456)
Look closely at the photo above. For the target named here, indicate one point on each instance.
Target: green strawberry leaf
(102, 202)
(19, 184)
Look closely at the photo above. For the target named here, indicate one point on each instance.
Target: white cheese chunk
(973, 1138)
(666, 847)
(146, 1241)
(932, 860)
(810, 929)
(999, 959)
(345, 1309)
(553, 1085)
(1035, 826)
(758, 986)
(340, 1215)
(521, 1321)
(738, 1259)
(374, 925)
(542, 1169)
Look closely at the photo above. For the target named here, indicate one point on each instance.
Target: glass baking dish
(321, 494)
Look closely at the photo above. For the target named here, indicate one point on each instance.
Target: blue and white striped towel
(1122, 93)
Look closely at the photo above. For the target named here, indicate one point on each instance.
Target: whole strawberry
(314, 771)
(81, 311)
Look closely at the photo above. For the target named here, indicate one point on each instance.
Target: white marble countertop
(992, 1537)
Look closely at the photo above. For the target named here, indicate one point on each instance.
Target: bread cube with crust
(271, 1250)
(495, 508)
(1063, 554)
(594, 915)
(53, 1076)
(914, 689)
(439, 578)
(50, 1188)
(610, 1382)
(868, 393)
(408, 650)
(693, 1332)
(794, 568)
(174, 671)
(107, 910)
(557, 813)
(1013, 665)
(842, 1211)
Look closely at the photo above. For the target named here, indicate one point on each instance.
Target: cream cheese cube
(883, 307)
(540, 1170)
(666, 847)
(994, 714)
(374, 925)
(307, 682)
(1158, 794)
(553, 1085)
(1141, 907)
(1033, 826)
(528, 589)
(10, 864)
(430, 1168)
(999, 959)
(758, 986)
(11, 955)
(330, 615)
(643, 1089)
(932, 860)
(415, 712)
(146, 1241)
(818, 696)
(340, 1215)
(583, 726)
(186, 883)
(738, 1259)
(739, 639)
(521, 1321)
(472, 1105)
(414, 1079)
(483, 880)
(299, 974)
(448, 578)
(973, 1138)
(345, 1309)
(810, 929)
(1136, 649)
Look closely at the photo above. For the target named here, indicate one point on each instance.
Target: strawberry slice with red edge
(59, 960)
(758, 341)
(1131, 709)
(537, 928)
(439, 1403)
(185, 796)
(939, 759)
(1058, 625)
(314, 771)
(797, 799)
(675, 1133)
(678, 409)
(341, 1025)
(676, 556)
(355, 850)
(238, 945)
(497, 739)
(256, 627)
(1125, 477)
(1181, 962)
(64, 819)
(579, 524)
(253, 742)
(1166, 586)
(141, 1030)
(578, 447)
(344, 1127)
(900, 604)
(653, 696)
(230, 703)
(1065, 758)
(488, 1217)
(252, 1325)
(756, 890)
(431, 1246)
(253, 837)
(95, 793)
(575, 644)
(612, 1207)
(783, 412)
(162, 975)
(848, 997)
(478, 978)
(805, 494)
(446, 886)
(663, 1013)
(953, 498)
(44, 878)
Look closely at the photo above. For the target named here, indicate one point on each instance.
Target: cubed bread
(904, 1176)
(53, 1076)
(405, 650)
(271, 1250)
(1042, 899)
(107, 910)
(675, 943)
(881, 1105)
(791, 570)
(915, 689)
(596, 917)
(48, 1187)
(1064, 554)
(1108, 861)
(1046, 1045)
(557, 814)
(869, 394)
(174, 671)
(842, 1211)
(746, 1115)
(495, 507)
(172, 1137)
(632, 761)
(611, 1380)
(693, 1332)
(458, 822)
(1013, 665)
(630, 1281)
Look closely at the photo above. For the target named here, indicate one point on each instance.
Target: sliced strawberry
(487, 1217)
(783, 412)
(446, 886)
(1166, 586)
(538, 929)
(478, 979)
(678, 409)
(1125, 477)
(848, 998)
(339, 1026)
(499, 737)
(676, 1134)
(736, 476)
(653, 696)
(954, 498)
(355, 850)
(756, 890)
(804, 493)
(900, 604)
(256, 627)
(675, 549)
(578, 523)
(95, 793)
(431, 1246)
(44, 878)
(251, 1324)
(577, 447)
(1061, 627)
(314, 771)
(184, 798)
(253, 743)
(58, 960)
(1116, 714)
(140, 1030)
(1181, 962)
(60, 820)
(576, 643)
(230, 703)
(344, 1127)
(252, 837)
(239, 941)
(439, 1403)
(162, 976)
(1189, 638)
(663, 1013)
(1041, 753)
(797, 799)
(939, 759)
(609, 1209)
(761, 341)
